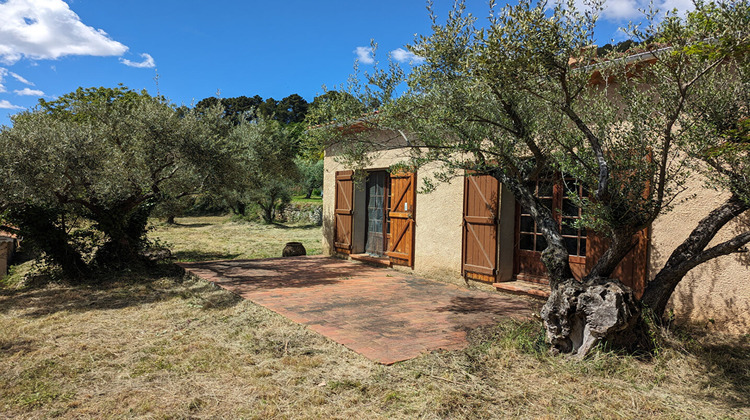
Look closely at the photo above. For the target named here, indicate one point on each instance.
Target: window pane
(541, 243)
(547, 202)
(527, 242)
(583, 233)
(545, 189)
(569, 209)
(567, 229)
(583, 247)
(527, 224)
(571, 244)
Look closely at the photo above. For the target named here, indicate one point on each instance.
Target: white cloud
(404, 56)
(364, 55)
(48, 29)
(21, 79)
(3, 73)
(29, 92)
(147, 63)
(625, 10)
(4, 104)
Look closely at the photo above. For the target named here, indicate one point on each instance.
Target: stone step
(526, 288)
(369, 259)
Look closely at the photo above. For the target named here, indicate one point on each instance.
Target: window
(554, 193)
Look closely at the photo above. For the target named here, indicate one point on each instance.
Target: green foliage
(311, 176)
(289, 110)
(265, 170)
(93, 163)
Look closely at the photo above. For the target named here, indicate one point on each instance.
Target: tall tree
(526, 95)
(292, 109)
(265, 171)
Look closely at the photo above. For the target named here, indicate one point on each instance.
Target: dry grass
(216, 238)
(157, 345)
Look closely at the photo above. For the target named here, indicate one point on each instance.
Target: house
(472, 227)
(7, 249)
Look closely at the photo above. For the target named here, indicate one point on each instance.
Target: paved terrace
(383, 314)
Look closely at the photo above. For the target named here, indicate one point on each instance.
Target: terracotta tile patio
(382, 314)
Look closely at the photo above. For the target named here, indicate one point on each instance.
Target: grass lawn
(217, 238)
(155, 344)
(302, 199)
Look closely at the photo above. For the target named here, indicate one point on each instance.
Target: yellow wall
(718, 290)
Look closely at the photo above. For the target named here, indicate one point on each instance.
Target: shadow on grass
(190, 225)
(193, 255)
(729, 363)
(116, 291)
(303, 227)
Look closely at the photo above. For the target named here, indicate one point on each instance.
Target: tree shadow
(708, 293)
(308, 226)
(130, 288)
(489, 305)
(194, 255)
(190, 225)
(242, 276)
(17, 345)
(727, 363)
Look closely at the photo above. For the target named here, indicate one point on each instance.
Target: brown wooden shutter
(633, 269)
(401, 214)
(479, 253)
(343, 213)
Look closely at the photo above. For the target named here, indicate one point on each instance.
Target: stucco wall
(716, 293)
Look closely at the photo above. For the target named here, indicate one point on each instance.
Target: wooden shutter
(633, 269)
(343, 213)
(401, 214)
(479, 253)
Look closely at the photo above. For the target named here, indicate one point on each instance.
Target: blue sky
(198, 47)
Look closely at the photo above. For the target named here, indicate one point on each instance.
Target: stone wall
(308, 213)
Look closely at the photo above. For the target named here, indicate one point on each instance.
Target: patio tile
(383, 314)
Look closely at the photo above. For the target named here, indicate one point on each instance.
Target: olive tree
(81, 174)
(526, 95)
(265, 169)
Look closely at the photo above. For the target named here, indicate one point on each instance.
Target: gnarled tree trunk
(578, 315)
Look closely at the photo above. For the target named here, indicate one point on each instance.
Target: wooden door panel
(402, 210)
(479, 252)
(343, 212)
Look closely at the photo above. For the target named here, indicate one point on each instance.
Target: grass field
(154, 344)
(216, 238)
